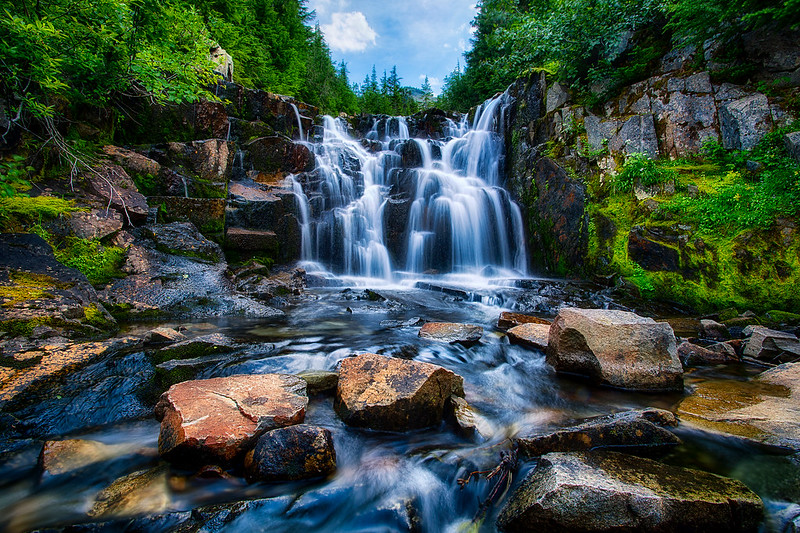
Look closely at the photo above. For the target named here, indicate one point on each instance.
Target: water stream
(457, 256)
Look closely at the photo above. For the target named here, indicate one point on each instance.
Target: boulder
(608, 491)
(182, 238)
(711, 329)
(213, 343)
(556, 97)
(163, 335)
(142, 492)
(636, 136)
(694, 355)
(769, 344)
(452, 333)
(290, 453)
(393, 394)
(207, 214)
(115, 186)
(95, 224)
(744, 122)
(279, 155)
(319, 381)
(530, 335)
(250, 240)
(638, 430)
(218, 419)
(763, 410)
(64, 456)
(792, 142)
(508, 320)
(616, 348)
(467, 420)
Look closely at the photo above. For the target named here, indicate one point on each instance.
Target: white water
(299, 122)
(367, 214)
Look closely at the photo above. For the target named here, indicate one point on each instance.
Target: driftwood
(503, 476)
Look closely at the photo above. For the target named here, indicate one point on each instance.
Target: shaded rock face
(452, 333)
(771, 345)
(530, 335)
(182, 238)
(273, 155)
(290, 453)
(616, 348)
(763, 410)
(37, 290)
(634, 431)
(206, 214)
(393, 394)
(217, 420)
(115, 186)
(608, 491)
(213, 343)
(694, 355)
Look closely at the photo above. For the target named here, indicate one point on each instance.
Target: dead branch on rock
(504, 474)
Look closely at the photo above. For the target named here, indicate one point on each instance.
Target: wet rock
(63, 456)
(467, 420)
(608, 491)
(213, 343)
(175, 371)
(95, 224)
(163, 335)
(763, 410)
(508, 320)
(115, 186)
(617, 348)
(250, 240)
(37, 290)
(635, 431)
(452, 333)
(710, 329)
(319, 381)
(294, 452)
(207, 214)
(278, 155)
(217, 419)
(556, 97)
(650, 254)
(183, 238)
(393, 394)
(769, 344)
(694, 355)
(684, 327)
(531, 335)
(141, 492)
(260, 282)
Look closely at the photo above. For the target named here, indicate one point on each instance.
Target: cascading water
(392, 207)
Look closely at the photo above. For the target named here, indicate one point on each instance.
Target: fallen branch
(504, 474)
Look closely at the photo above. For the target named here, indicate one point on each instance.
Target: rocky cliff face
(562, 155)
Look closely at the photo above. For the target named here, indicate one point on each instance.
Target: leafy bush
(14, 176)
(643, 170)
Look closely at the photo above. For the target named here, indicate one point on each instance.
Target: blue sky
(420, 37)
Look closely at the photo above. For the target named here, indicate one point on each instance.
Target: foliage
(643, 170)
(14, 176)
(99, 263)
(18, 212)
(387, 97)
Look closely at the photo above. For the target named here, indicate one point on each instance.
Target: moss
(19, 212)
(96, 317)
(25, 327)
(99, 263)
(782, 317)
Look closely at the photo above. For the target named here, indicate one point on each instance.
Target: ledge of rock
(508, 320)
(639, 430)
(609, 491)
(213, 343)
(393, 394)
(294, 452)
(531, 335)
(769, 344)
(452, 333)
(765, 410)
(616, 348)
(217, 419)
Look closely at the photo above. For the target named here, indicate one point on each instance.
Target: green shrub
(641, 169)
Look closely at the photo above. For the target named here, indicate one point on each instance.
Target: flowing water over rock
(426, 225)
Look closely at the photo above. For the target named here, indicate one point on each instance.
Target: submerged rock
(763, 410)
(467, 420)
(138, 493)
(294, 452)
(616, 348)
(163, 335)
(531, 335)
(319, 381)
(393, 394)
(609, 491)
(217, 419)
(63, 456)
(639, 430)
(452, 333)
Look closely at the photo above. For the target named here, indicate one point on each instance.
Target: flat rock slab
(609, 491)
(393, 394)
(530, 335)
(143, 492)
(615, 348)
(508, 320)
(217, 419)
(452, 333)
(214, 343)
(638, 430)
(765, 410)
(294, 452)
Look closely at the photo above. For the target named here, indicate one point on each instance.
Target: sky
(421, 37)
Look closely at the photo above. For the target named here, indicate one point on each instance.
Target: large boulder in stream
(765, 410)
(615, 348)
(393, 394)
(218, 419)
(639, 430)
(294, 452)
(609, 491)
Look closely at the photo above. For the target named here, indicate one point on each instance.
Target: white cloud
(349, 32)
(462, 45)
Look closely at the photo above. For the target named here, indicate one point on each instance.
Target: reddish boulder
(393, 394)
(216, 420)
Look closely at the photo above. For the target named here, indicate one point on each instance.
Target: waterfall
(299, 122)
(414, 207)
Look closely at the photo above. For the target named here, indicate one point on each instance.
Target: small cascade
(415, 207)
(299, 122)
